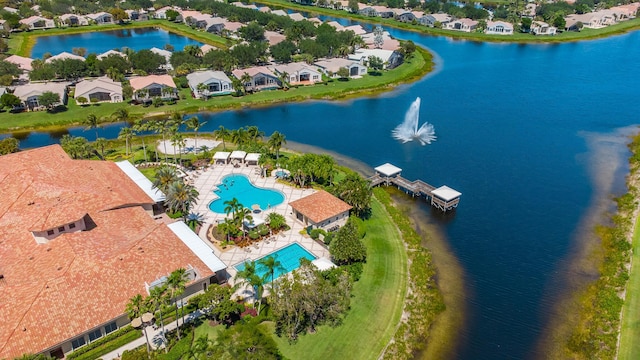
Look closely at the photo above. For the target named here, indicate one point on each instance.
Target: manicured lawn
(413, 69)
(376, 304)
(205, 329)
(629, 347)
(622, 27)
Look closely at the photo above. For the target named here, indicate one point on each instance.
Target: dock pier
(443, 198)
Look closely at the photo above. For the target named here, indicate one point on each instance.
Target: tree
(276, 140)
(177, 139)
(147, 61)
(233, 207)
(252, 32)
(272, 265)
(176, 284)
(9, 101)
(135, 308)
(194, 220)
(249, 276)
(69, 69)
(195, 124)
(376, 63)
(81, 100)
(559, 22)
(181, 197)
(101, 143)
(165, 176)
(119, 15)
(276, 221)
(254, 133)
(172, 15)
(222, 134)
(284, 79)
(346, 247)
(156, 301)
(353, 6)
(245, 341)
(526, 25)
(7, 68)
(239, 136)
(355, 191)
(343, 73)
(113, 65)
(283, 51)
(76, 146)
(92, 122)
(126, 134)
(378, 38)
(217, 300)
(49, 100)
(9, 145)
(407, 48)
(80, 51)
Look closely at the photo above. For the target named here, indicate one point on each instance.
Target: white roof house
(101, 89)
(143, 183)
(64, 56)
(197, 246)
(166, 54)
(73, 19)
(390, 58)
(388, 170)
(499, 28)
(30, 93)
(299, 73)
(209, 83)
(38, 22)
(23, 63)
(111, 52)
(333, 65)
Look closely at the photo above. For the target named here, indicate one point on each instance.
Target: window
(72, 226)
(61, 229)
(94, 335)
(78, 342)
(109, 328)
(315, 77)
(49, 232)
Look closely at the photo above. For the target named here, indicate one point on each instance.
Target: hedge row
(106, 344)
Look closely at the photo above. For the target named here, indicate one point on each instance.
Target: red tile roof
(320, 206)
(54, 291)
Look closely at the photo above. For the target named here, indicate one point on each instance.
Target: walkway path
(155, 337)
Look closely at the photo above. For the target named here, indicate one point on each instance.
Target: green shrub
(253, 235)
(315, 233)
(263, 229)
(106, 344)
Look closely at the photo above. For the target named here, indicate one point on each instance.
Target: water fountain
(408, 130)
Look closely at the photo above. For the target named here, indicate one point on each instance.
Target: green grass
(566, 36)
(376, 305)
(413, 69)
(629, 347)
(205, 329)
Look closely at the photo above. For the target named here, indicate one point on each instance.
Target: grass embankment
(601, 304)
(376, 305)
(567, 36)
(629, 347)
(413, 69)
(22, 43)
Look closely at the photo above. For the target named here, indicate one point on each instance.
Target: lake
(532, 135)
(101, 41)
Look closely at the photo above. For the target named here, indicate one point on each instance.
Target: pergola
(252, 158)
(238, 155)
(221, 157)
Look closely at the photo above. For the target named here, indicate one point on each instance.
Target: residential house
(336, 25)
(10, 10)
(366, 10)
(24, 63)
(101, 18)
(530, 10)
(206, 48)
(166, 54)
(64, 56)
(431, 20)
(261, 78)
(321, 210)
(73, 20)
(297, 17)
(36, 22)
(383, 11)
(408, 16)
(390, 58)
(109, 53)
(298, 73)
(209, 83)
(162, 12)
(232, 27)
(195, 19)
(542, 28)
(101, 89)
(145, 88)
(137, 15)
(464, 24)
(357, 29)
(79, 240)
(4, 25)
(330, 67)
(30, 93)
(244, 6)
(388, 43)
(499, 28)
(265, 9)
(214, 25)
(274, 38)
(280, 13)
(626, 12)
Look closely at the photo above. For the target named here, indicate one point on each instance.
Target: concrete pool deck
(208, 180)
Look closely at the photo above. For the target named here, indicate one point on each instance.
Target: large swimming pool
(289, 257)
(241, 188)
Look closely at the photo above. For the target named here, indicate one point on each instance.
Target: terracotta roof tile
(320, 206)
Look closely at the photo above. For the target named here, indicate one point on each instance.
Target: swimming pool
(241, 188)
(289, 257)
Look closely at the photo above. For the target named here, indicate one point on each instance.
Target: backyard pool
(241, 188)
(289, 258)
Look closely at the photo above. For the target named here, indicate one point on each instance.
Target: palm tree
(112, 73)
(201, 88)
(156, 301)
(245, 79)
(135, 308)
(195, 124)
(239, 136)
(222, 134)
(254, 133)
(194, 220)
(284, 79)
(193, 50)
(141, 126)
(101, 143)
(181, 197)
(162, 126)
(92, 122)
(249, 276)
(127, 134)
(176, 284)
(237, 85)
(165, 176)
(177, 139)
(121, 115)
(272, 265)
(233, 206)
(276, 140)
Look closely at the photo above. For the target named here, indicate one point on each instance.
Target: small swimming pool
(289, 257)
(241, 188)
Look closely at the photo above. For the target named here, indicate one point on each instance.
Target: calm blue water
(514, 125)
(289, 258)
(241, 188)
(99, 42)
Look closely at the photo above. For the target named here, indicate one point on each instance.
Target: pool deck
(206, 183)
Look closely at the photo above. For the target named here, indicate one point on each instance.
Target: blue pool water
(239, 187)
(289, 257)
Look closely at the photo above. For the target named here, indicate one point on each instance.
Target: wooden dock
(443, 198)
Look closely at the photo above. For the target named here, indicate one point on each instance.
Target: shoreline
(591, 34)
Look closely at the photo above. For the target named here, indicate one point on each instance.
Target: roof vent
(1, 276)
